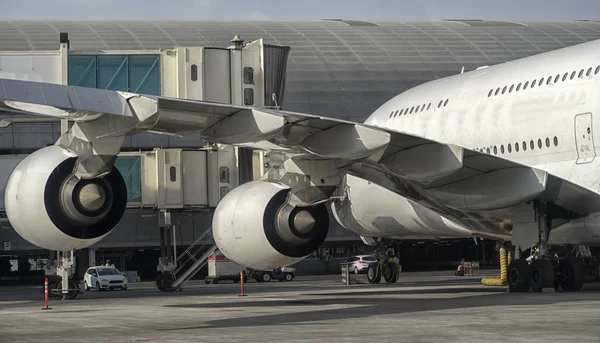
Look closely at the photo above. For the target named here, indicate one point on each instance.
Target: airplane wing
(474, 188)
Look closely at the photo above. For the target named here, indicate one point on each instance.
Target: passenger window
(541, 81)
(539, 143)
(531, 144)
(440, 104)
(224, 174)
(573, 75)
(445, 102)
(547, 142)
(555, 141)
(533, 84)
(511, 88)
(509, 148)
(589, 72)
(495, 150)
(497, 91)
(412, 109)
(249, 75)
(549, 80)
(565, 76)
(490, 93)
(504, 90)
(194, 73)
(391, 114)
(418, 108)
(580, 73)
(597, 70)
(557, 78)
(248, 96)
(396, 114)
(516, 147)
(402, 110)
(173, 174)
(526, 84)
(487, 150)
(524, 146)
(423, 108)
(502, 149)
(428, 106)
(518, 87)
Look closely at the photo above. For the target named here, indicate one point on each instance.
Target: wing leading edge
(445, 177)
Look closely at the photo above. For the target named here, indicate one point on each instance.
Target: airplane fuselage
(537, 111)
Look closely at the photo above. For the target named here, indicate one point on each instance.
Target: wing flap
(491, 191)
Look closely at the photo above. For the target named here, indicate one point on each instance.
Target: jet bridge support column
(166, 261)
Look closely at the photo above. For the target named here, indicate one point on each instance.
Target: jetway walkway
(188, 263)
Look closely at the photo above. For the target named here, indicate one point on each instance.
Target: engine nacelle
(255, 226)
(53, 209)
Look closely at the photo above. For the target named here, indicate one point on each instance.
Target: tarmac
(421, 307)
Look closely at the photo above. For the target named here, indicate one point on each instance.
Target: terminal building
(337, 68)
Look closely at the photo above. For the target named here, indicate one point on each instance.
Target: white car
(360, 263)
(103, 278)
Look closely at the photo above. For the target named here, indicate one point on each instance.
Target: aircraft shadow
(366, 304)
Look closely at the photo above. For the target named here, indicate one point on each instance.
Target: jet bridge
(183, 175)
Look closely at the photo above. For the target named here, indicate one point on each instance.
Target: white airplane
(505, 152)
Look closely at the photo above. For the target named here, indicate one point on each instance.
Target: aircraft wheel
(164, 282)
(373, 274)
(570, 274)
(390, 273)
(542, 275)
(518, 276)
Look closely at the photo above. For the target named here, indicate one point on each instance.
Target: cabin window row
(519, 146)
(542, 81)
(419, 108)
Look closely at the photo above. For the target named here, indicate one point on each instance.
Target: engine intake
(52, 208)
(255, 226)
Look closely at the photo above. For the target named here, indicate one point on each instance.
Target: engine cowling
(255, 226)
(53, 209)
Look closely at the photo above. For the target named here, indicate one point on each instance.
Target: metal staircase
(189, 262)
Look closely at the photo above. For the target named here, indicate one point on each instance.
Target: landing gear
(390, 273)
(544, 270)
(374, 273)
(570, 276)
(541, 274)
(518, 276)
(386, 266)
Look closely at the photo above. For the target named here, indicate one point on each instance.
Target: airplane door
(584, 138)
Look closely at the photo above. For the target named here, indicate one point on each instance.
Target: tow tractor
(281, 274)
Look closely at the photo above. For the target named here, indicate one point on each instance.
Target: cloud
(257, 15)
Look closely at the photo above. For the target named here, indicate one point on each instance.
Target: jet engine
(255, 226)
(52, 208)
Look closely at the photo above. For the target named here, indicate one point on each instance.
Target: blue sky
(300, 9)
